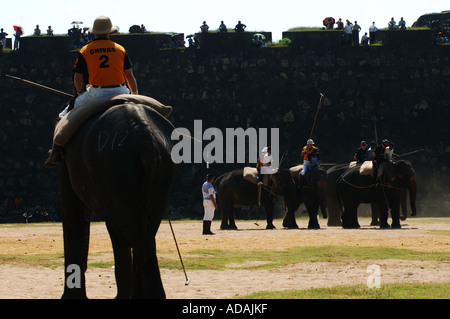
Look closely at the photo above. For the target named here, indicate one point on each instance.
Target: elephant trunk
(322, 198)
(412, 194)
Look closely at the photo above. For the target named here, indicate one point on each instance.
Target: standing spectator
(17, 36)
(340, 24)
(204, 27)
(391, 24)
(372, 30)
(355, 34)
(348, 33)
(49, 30)
(3, 38)
(402, 24)
(209, 204)
(37, 31)
(240, 27)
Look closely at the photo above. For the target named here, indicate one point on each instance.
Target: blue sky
(186, 16)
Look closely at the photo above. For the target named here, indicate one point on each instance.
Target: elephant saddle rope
(70, 123)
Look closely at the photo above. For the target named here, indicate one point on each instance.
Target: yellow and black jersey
(103, 62)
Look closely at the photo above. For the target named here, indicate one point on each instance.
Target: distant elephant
(311, 192)
(234, 191)
(118, 166)
(354, 188)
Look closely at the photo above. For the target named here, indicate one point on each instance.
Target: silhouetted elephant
(354, 188)
(234, 191)
(311, 192)
(118, 166)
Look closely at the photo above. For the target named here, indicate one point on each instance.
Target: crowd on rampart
(351, 33)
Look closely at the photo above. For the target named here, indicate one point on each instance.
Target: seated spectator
(340, 24)
(37, 31)
(49, 30)
(258, 41)
(204, 27)
(222, 27)
(365, 40)
(143, 29)
(240, 27)
(402, 24)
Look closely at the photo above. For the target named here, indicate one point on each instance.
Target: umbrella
(77, 22)
(17, 27)
(328, 20)
(260, 35)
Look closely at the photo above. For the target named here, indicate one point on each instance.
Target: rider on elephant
(264, 160)
(361, 152)
(107, 68)
(310, 155)
(379, 159)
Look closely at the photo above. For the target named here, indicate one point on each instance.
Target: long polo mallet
(178, 250)
(317, 111)
(46, 88)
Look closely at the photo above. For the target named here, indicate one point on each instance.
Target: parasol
(260, 35)
(16, 26)
(328, 20)
(77, 22)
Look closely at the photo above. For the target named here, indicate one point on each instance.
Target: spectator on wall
(240, 27)
(391, 25)
(37, 31)
(3, 36)
(49, 30)
(17, 36)
(348, 33)
(204, 27)
(402, 24)
(222, 27)
(340, 24)
(372, 33)
(355, 33)
(365, 40)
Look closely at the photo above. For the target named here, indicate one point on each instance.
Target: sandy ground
(428, 235)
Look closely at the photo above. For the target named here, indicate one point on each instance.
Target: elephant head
(401, 174)
(316, 181)
(284, 185)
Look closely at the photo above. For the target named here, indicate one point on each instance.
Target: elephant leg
(269, 215)
(76, 222)
(227, 210)
(123, 263)
(146, 275)
(350, 216)
(289, 220)
(395, 213)
(313, 209)
(375, 214)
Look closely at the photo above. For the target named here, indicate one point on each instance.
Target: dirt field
(423, 235)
